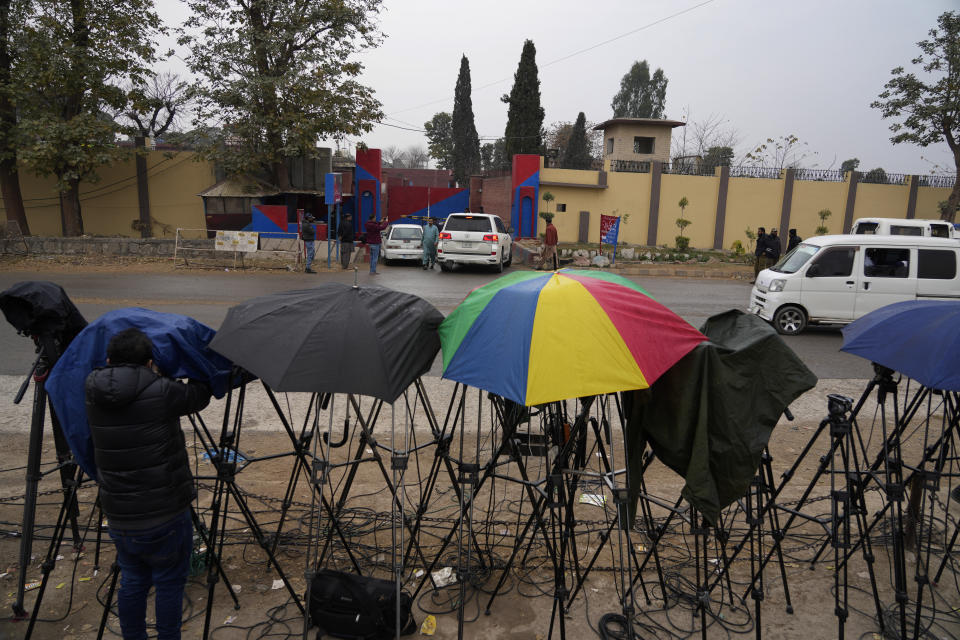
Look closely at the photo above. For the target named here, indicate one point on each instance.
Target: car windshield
(406, 233)
(467, 223)
(792, 262)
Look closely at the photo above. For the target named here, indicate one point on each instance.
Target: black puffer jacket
(140, 451)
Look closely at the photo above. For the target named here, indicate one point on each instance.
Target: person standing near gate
(793, 240)
(345, 234)
(759, 261)
(431, 236)
(308, 234)
(373, 227)
(550, 240)
(144, 476)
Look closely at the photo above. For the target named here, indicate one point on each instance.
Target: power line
(575, 53)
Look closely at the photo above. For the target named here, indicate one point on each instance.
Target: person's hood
(118, 386)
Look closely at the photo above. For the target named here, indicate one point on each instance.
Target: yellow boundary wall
(750, 203)
(110, 205)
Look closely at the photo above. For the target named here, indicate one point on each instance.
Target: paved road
(206, 296)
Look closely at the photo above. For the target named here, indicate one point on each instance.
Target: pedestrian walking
(346, 236)
(793, 240)
(550, 240)
(308, 233)
(759, 260)
(373, 227)
(143, 472)
(431, 236)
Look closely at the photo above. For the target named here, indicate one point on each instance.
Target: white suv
(474, 238)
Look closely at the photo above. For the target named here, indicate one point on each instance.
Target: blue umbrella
(180, 351)
(918, 338)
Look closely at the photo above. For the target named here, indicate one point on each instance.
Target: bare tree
(156, 106)
(784, 152)
(714, 131)
(159, 105)
(416, 156)
(393, 156)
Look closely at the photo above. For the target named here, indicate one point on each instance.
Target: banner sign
(333, 188)
(236, 241)
(609, 229)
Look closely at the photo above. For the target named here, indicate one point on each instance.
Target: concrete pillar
(656, 170)
(724, 174)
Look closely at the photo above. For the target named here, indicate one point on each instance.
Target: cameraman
(144, 476)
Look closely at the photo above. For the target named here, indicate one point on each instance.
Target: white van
(904, 227)
(837, 279)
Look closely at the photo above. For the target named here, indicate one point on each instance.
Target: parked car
(474, 238)
(837, 279)
(402, 242)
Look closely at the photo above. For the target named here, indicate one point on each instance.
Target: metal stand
(48, 354)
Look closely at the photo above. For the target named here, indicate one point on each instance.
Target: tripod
(48, 353)
(224, 460)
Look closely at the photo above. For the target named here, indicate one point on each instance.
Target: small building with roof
(637, 139)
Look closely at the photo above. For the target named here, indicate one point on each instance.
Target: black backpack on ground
(345, 605)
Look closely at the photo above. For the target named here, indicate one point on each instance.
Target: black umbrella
(333, 339)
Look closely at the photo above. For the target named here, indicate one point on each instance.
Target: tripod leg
(114, 574)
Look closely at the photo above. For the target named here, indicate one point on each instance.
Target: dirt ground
(77, 587)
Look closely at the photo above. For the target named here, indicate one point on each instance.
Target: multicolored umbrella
(536, 337)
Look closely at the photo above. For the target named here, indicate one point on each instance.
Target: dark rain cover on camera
(179, 351)
(710, 416)
(39, 308)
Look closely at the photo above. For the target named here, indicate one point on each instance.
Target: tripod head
(838, 406)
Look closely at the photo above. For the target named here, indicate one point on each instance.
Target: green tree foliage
(928, 112)
(466, 142)
(875, 176)
(277, 76)
(440, 139)
(72, 58)
(548, 199)
(524, 132)
(849, 165)
(682, 223)
(11, 25)
(641, 95)
(577, 155)
(718, 157)
(493, 156)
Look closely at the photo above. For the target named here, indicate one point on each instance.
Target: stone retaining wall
(146, 247)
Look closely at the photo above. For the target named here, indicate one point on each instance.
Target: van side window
(886, 263)
(903, 230)
(867, 228)
(937, 264)
(940, 231)
(499, 223)
(834, 262)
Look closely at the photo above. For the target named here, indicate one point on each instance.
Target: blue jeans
(374, 257)
(310, 253)
(158, 557)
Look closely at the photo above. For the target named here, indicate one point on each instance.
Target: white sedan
(403, 242)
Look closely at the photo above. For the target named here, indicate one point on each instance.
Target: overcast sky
(768, 67)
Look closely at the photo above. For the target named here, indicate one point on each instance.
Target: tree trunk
(143, 188)
(71, 219)
(281, 175)
(12, 198)
(949, 214)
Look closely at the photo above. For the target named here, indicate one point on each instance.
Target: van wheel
(498, 268)
(789, 320)
(509, 259)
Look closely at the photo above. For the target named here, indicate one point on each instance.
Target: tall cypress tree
(524, 133)
(466, 142)
(577, 154)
